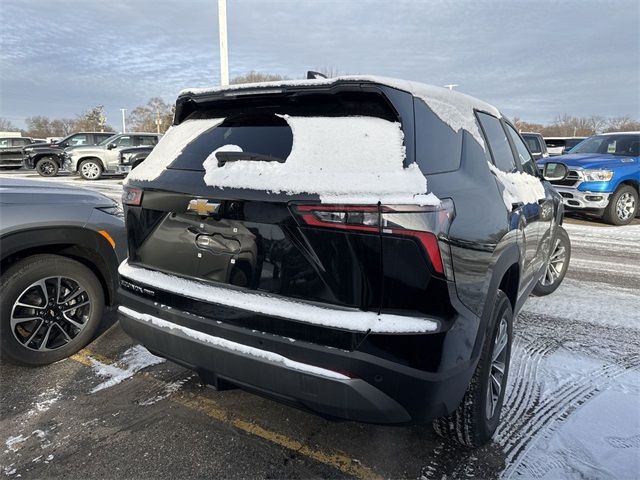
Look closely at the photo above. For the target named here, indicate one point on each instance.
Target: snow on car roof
(418, 89)
(452, 107)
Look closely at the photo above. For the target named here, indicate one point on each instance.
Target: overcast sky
(532, 59)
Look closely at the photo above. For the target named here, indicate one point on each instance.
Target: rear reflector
(132, 196)
(429, 242)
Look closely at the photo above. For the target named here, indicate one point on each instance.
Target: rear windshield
(572, 142)
(265, 131)
(555, 143)
(264, 134)
(533, 143)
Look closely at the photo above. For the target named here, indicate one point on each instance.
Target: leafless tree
(7, 126)
(257, 77)
(93, 120)
(622, 124)
(155, 116)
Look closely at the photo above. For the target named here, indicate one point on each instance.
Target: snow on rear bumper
(215, 358)
(325, 315)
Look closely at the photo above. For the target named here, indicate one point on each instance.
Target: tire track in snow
(556, 407)
(525, 392)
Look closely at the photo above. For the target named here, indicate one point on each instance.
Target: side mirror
(111, 146)
(554, 171)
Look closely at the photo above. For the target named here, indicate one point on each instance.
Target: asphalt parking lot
(572, 408)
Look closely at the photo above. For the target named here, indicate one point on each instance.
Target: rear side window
(4, 142)
(526, 160)
(20, 142)
(78, 140)
(126, 141)
(147, 141)
(438, 147)
(498, 143)
(102, 138)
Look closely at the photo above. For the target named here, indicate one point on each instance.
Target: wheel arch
(53, 156)
(80, 244)
(89, 157)
(632, 183)
(506, 277)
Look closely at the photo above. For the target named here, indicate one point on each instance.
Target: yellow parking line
(335, 458)
(85, 355)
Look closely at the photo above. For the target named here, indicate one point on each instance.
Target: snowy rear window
(258, 125)
(347, 157)
(265, 135)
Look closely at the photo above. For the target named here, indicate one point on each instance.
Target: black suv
(11, 151)
(282, 239)
(47, 158)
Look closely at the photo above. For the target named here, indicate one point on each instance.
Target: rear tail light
(132, 196)
(429, 225)
(362, 218)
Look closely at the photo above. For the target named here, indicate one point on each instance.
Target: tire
(50, 336)
(557, 267)
(47, 167)
(472, 424)
(90, 169)
(622, 207)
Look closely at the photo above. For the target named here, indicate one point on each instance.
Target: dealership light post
(124, 126)
(224, 57)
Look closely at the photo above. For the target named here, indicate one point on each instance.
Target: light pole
(124, 126)
(224, 54)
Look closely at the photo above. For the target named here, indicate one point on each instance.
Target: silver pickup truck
(92, 161)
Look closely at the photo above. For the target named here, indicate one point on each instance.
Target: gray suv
(60, 249)
(91, 162)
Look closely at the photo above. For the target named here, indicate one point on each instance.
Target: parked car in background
(282, 239)
(47, 157)
(131, 157)
(561, 145)
(92, 162)
(60, 248)
(11, 151)
(602, 176)
(536, 144)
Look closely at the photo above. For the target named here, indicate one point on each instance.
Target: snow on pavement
(133, 360)
(590, 302)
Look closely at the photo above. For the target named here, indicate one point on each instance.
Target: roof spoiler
(311, 75)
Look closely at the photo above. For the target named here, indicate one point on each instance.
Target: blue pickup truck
(602, 175)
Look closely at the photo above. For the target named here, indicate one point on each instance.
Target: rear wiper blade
(224, 157)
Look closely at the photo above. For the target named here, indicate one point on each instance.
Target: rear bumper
(214, 358)
(348, 384)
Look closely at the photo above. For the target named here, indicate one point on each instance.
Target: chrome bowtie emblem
(202, 206)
